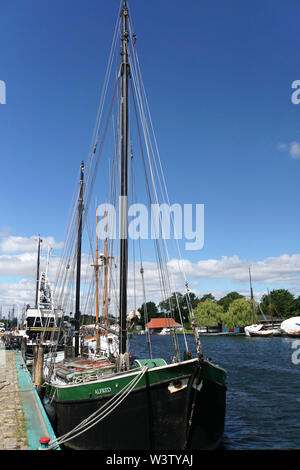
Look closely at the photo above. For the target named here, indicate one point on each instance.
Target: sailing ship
(103, 340)
(261, 329)
(161, 405)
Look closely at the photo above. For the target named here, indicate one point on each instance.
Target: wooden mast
(105, 273)
(252, 297)
(96, 266)
(97, 273)
(270, 308)
(78, 263)
(124, 182)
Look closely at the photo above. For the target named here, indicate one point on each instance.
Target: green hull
(172, 406)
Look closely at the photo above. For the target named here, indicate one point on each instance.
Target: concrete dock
(23, 420)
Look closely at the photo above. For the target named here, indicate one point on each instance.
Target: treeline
(231, 310)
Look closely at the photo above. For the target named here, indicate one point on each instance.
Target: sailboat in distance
(133, 402)
(259, 329)
(103, 341)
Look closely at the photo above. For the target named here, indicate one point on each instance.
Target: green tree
(193, 299)
(282, 303)
(86, 319)
(240, 313)
(228, 299)
(176, 306)
(295, 309)
(151, 312)
(207, 297)
(208, 313)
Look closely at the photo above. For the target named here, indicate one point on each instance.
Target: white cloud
(292, 147)
(23, 264)
(270, 272)
(295, 150)
(17, 293)
(283, 269)
(21, 244)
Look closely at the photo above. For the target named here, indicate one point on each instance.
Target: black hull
(151, 419)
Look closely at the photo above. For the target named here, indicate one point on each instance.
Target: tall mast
(105, 273)
(96, 266)
(105, 259)
(251, 293)
(97, 272)
(124, 181)
(270, 307)
(38, 274)
(97, 288)
(78, 262)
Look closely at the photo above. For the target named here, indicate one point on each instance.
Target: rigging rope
(65, 276)
(162, 183)
(100, 414)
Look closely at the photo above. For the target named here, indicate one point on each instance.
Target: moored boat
(261, 329)
(264, 330)
(291, 326)
(43, 323)
(161, 399)
(119, 403)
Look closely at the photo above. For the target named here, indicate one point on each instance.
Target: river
(263, 386)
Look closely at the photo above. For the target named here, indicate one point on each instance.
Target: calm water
(263, 387)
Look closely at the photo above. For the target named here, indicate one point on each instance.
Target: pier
(24, 424)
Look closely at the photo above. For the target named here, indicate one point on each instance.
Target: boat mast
(252, 297)
(97, 273)
(96, 266)
(38, 274)
(78, 262)
(105, 273)
(270, 308)
(124, 181)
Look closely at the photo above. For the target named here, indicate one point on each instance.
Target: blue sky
(218, 77)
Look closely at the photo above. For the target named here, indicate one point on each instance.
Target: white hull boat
(291, 326)
(262, 330)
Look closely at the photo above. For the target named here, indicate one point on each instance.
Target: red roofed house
(156, 325)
